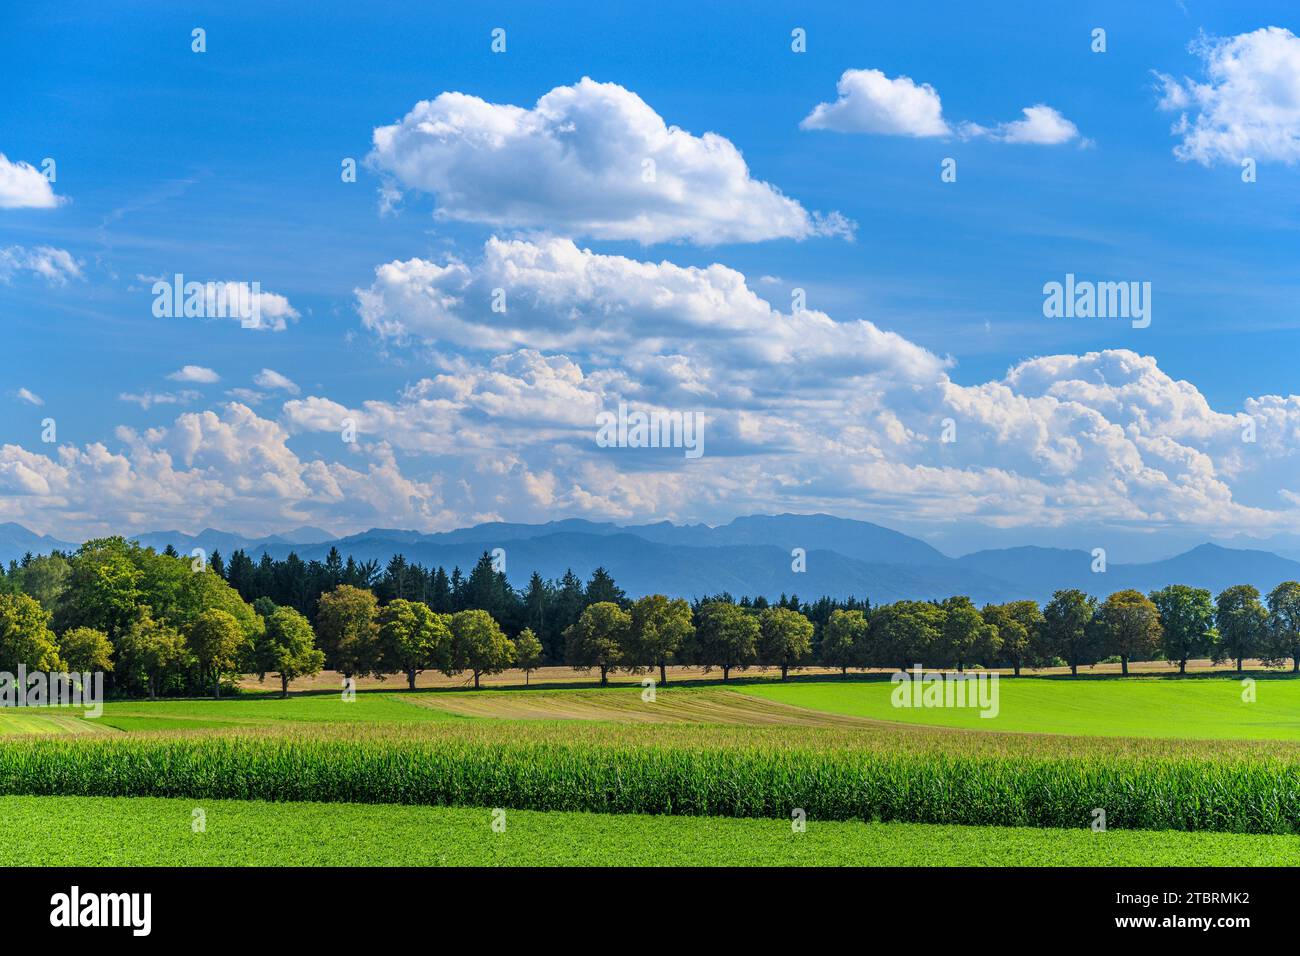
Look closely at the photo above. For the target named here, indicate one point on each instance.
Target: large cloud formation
(1249, 104)
(803, 411)
(552, 295)
(592, 159)
(529, 339)
(229, 467)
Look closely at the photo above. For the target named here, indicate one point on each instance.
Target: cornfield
(678, 772)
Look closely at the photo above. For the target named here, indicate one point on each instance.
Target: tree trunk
(526, 673)
(216, 687)
(604, 676)
(960, 666)
(1074, 669)
(410, 678)
(726, 672)
(844, 671)
(663, 673)
(476, 680)
(153, 688)
(785, 670)
(1238, 665)
(1182, 666)
(1016, 665)
(1123, 665)
(284, 687)
(1295, 665)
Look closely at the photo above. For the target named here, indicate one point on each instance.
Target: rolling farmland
(702, 761)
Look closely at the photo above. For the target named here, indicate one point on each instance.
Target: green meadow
(244, 710)
(1210, 708)
(147, 831)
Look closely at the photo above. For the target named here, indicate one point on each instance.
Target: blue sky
(224, 166)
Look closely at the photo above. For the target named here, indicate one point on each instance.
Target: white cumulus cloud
(1247, 106)
(1041, 126)
(591, 159)
(195, 373)
(23, 186)
(870, 102)
(271, 379)
(558, 296)
(55, 266)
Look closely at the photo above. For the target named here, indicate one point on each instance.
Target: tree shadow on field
(741, 679)
(1171, 676)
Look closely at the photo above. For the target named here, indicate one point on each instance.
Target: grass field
(247, 710)
(159, 832)
(1199, 707)
(1206, 708)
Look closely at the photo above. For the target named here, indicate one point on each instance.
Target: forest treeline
(161, 624)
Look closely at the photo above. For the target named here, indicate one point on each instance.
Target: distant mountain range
(749, 556)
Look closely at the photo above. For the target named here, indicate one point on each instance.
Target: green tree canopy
(291, 647)
(1284, 624)
(1019, 624)
(216, 639)
(528, 652)
(966, 636)
(479, 645)
(347, 621)
(661, 628)
(103, 588)
(844, 639)
(909, 632)
(25, 635)
(726, 636)
(1242, 624)
(148, 651)
(784, 638)
(45, 578)
(598, 639)
(413, 638)
(1130, 627)
(1186, 622)
(1066, 630)
(86, 650)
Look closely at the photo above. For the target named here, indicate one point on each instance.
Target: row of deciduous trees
(1177, 623)
(361, 637)
(160, 624)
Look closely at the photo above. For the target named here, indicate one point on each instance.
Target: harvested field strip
(21, 720)
(626, 706)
